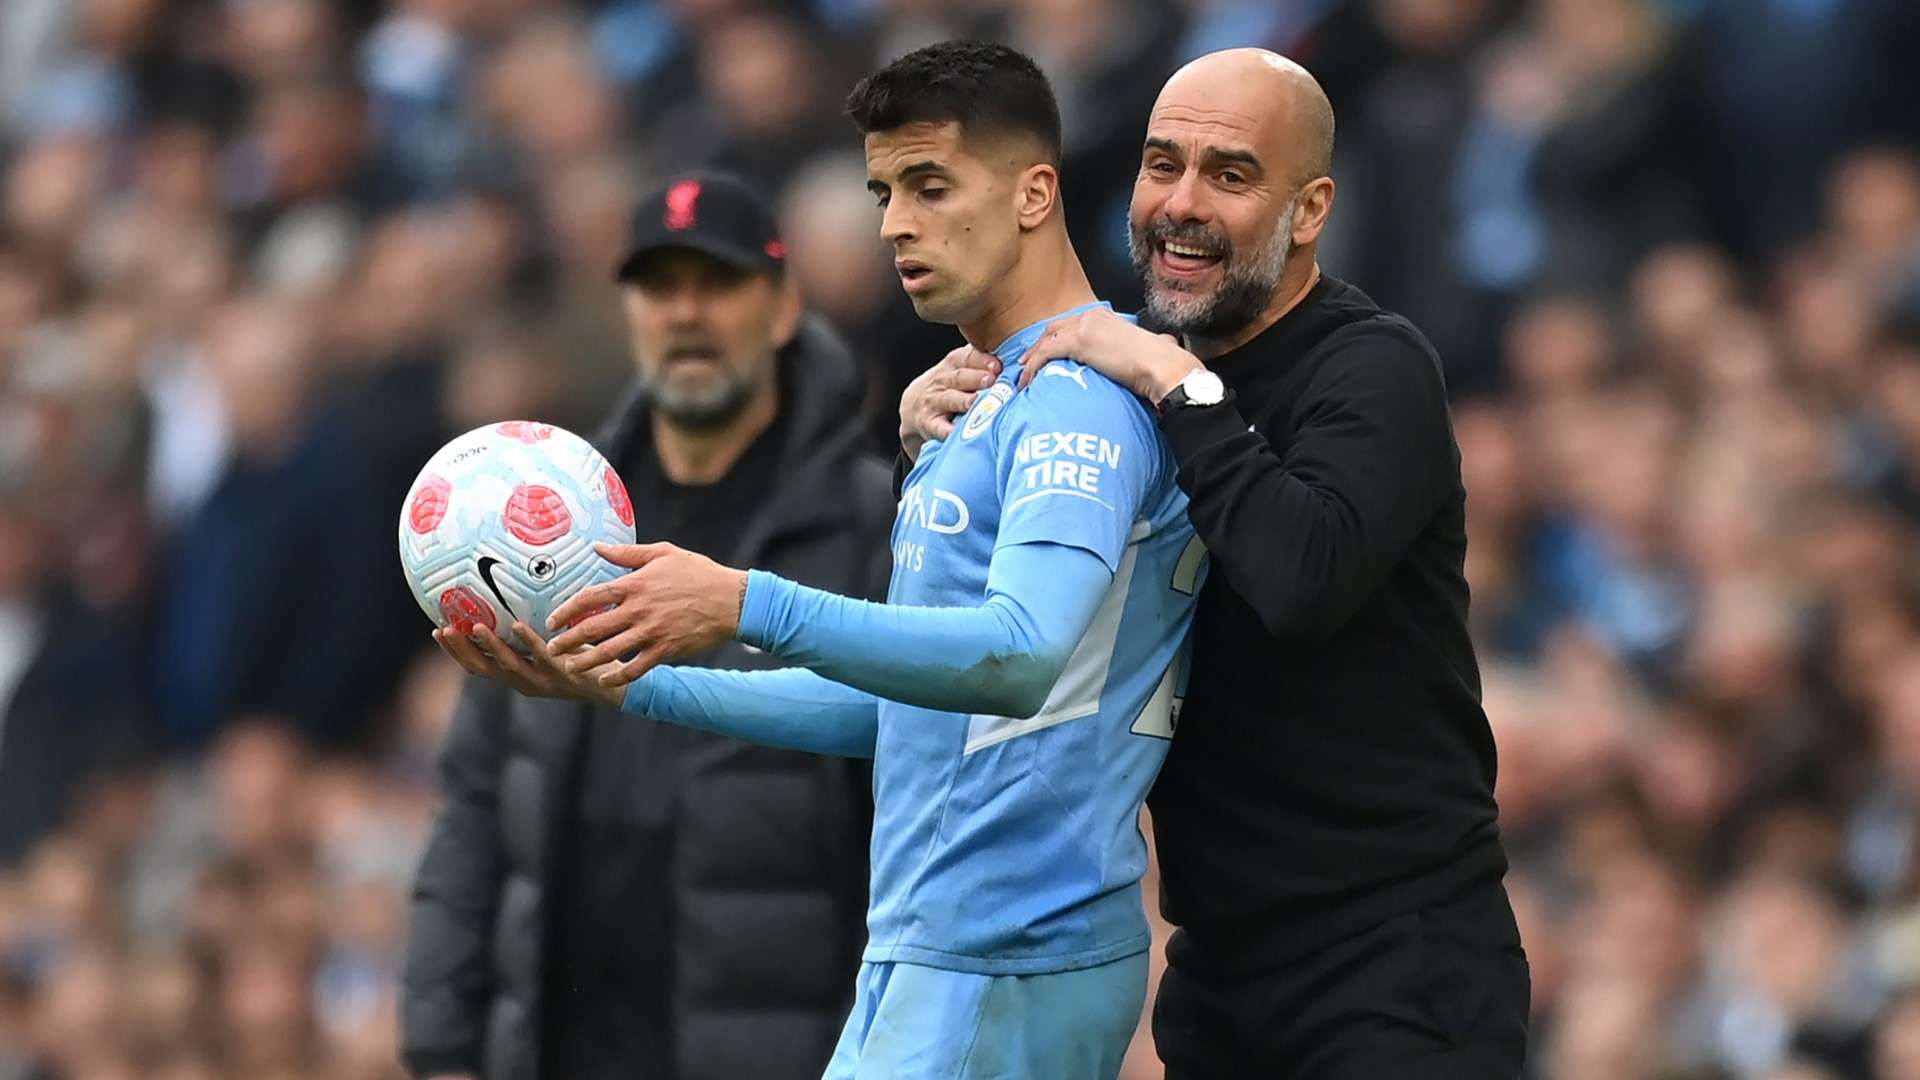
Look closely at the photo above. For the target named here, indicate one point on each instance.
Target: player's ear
(787, 311)
(1311, 209)
(1038, 192)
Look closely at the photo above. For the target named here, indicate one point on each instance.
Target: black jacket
(763, 872)
(1333, 767)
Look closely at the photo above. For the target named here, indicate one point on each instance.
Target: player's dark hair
(987, 89)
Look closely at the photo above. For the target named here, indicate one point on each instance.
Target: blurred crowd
(259, 258)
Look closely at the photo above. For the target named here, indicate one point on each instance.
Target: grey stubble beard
(706, 406)
(1243, 293)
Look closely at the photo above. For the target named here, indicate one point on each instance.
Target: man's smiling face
(1212, 208)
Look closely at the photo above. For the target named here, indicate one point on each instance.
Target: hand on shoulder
(1146, 363)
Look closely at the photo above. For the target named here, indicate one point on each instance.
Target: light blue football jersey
(1012, 846)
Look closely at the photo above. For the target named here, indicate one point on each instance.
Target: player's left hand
(1144, 362)
(675, 603)
(539, 674)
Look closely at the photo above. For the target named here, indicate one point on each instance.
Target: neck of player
(1296, 281)
(695, 457)
(1046, 281)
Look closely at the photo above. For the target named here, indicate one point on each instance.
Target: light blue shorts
(911, 1022)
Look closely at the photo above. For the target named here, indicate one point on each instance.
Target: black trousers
(1437, 994)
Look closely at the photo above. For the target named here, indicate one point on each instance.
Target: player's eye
(1161, 168)
(933, 194)
(880, 201)
(1232, 178)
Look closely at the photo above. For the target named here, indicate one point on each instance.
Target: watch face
(1204, 388)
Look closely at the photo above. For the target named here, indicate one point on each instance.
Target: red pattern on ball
(537, 515)
(429, 504)
(463, 609)
(527, 431)
(617, 495)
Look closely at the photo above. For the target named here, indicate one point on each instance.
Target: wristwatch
(1197, 387)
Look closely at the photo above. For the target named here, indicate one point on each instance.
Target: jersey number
(1162, 713)
(1186, 572)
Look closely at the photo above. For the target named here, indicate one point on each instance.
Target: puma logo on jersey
(1078, 375)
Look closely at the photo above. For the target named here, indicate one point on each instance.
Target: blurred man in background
(228, 589)
(52, 649)
(607, 898)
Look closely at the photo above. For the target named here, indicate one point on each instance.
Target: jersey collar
(1011, 350)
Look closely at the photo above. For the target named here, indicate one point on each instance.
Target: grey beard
(703, 407)
(1243, 294)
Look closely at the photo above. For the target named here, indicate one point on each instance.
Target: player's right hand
(538, 675)
(941, 393)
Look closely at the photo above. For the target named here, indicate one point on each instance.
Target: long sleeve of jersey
(793, 709)
(1001, 658)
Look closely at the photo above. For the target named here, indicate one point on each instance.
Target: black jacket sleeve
(447, 982)
(1307, 523)
(902, 465)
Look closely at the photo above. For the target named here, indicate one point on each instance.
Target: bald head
(1232, 193)
(1281, 103)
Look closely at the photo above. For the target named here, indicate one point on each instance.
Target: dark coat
(62, 724)
(763, 869)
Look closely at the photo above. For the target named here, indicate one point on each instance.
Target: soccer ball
(500, 525)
